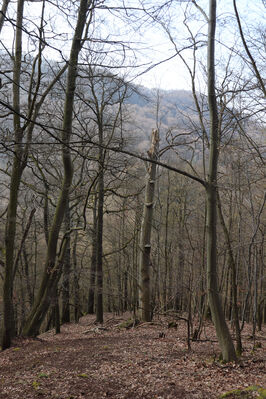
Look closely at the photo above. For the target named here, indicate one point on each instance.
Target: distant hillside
(166, 109)
(143, 96)
(146, 108)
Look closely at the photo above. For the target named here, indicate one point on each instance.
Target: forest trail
(147, 361)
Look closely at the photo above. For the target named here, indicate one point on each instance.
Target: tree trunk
(91, 294)
(166, 249)
(17, 169)
(232, 266)
(146, 227)
(3, 13)
(65, 318)
(222, 331)
(53, 269)
(99, 275)
(125, 299)
(255, 300)
(77, 312)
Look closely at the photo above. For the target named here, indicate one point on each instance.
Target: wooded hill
(118, 198)
(178, 247)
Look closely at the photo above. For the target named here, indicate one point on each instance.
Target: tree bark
(53, 269)
(77, 312)
(166, 250)
(146, 228)
(99, 234)
(91, 294)
(3, 13)
(17, 169)
(65, 318)
(232, 265)
(252, 61)
(222, 331)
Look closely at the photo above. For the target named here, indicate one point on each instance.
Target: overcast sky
(149, 40)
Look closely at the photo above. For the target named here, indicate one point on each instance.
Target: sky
(150, 43)
(173, 74)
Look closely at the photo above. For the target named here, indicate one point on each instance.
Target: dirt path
(84, 362)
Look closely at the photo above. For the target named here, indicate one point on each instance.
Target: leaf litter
(148, 361)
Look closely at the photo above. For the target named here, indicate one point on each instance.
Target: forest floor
(147, 361)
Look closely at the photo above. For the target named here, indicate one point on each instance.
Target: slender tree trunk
(135, 258)
(3, 13)
(19, 162)
(146, 227)
(99, 276)
(53, 269)
(232, 266)
(17, 169)
(57, 312)
(203, 301)
(29, 286)
(255, 300)
(261, 299)
(222, 331)
(91, 294)
(125, 262)
(119, 277)
(250, 256)
(125, 299)
(166, 250)
(77, 312)
(226, 305)
(65, 318)
(181, 255)
(252, 62)
(158, 287)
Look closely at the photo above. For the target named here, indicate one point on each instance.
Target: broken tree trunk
(146, 228)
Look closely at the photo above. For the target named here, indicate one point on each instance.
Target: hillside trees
(53, 269)
(225, 129)
(102, 95)
(17, 169)
(89, 237)
(214, 130)
(23, 132)
(44, 172)
(213, 139)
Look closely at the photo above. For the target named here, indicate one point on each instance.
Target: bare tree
(53, 268)
(251, 59)
(223, 334)
(146, 228)
(17, 169)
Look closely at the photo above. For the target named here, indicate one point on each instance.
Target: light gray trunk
(146, 228)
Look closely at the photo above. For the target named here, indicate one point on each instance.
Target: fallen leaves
(84, 362)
